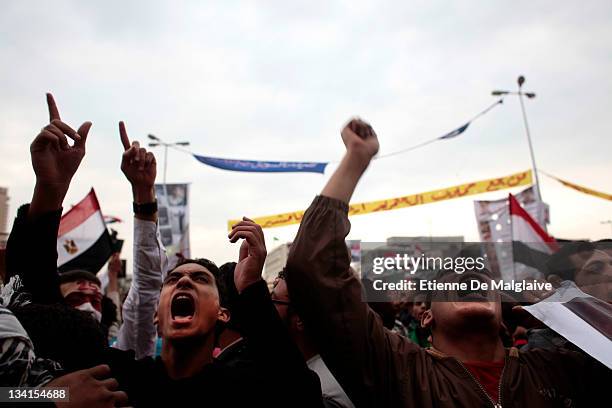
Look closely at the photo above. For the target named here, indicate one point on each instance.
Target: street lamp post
(159, 142)
(530, 95)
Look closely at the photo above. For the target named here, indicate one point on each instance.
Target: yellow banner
(463, 190)
(582, 189)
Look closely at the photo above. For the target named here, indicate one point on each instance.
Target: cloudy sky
(275, 80)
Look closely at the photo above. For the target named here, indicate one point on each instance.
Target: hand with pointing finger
(139, 167)
(54, 160)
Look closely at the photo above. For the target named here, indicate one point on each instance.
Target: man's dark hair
(560, 263)
(211, 266)
(229, 297)
(282, 275)
(603, 244)
(79, 274)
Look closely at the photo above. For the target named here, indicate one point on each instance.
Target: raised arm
(32, 245)
(328, 296)
(361, 145)
(267, 337)
(138, 332)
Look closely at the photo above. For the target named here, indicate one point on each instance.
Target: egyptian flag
(531, 245)
(582, 319)
(83, 242)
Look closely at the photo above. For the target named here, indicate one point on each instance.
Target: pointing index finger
(53, 111)
(124, 137)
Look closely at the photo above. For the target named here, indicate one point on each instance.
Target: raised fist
(359, 138)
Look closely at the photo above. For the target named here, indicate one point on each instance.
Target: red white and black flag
(526, 229)
(531, 244)
(580, 318)
(83, 242)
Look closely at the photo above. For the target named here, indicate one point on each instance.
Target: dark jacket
(378, 368)
(237, 354)
(31, 253)
(277, 375)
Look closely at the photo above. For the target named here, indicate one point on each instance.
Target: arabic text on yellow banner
(463, 190)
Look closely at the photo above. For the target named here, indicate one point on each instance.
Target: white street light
(160, 142)
(530, 95)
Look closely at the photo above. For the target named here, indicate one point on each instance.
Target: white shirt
(138, 332)
(330, 388)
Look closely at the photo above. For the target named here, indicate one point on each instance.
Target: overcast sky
(276, 80)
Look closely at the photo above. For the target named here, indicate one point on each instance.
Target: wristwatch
(145, 208)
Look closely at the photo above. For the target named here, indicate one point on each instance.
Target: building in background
(275, 262)
(4, 208)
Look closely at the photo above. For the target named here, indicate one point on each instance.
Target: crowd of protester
(227, 341)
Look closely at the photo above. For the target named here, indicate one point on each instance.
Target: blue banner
(262, 166)
(455, 132)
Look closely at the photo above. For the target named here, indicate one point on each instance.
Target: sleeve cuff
(325, 201)
(51, 216)
(256, 289)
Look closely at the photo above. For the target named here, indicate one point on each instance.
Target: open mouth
(182, 307)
